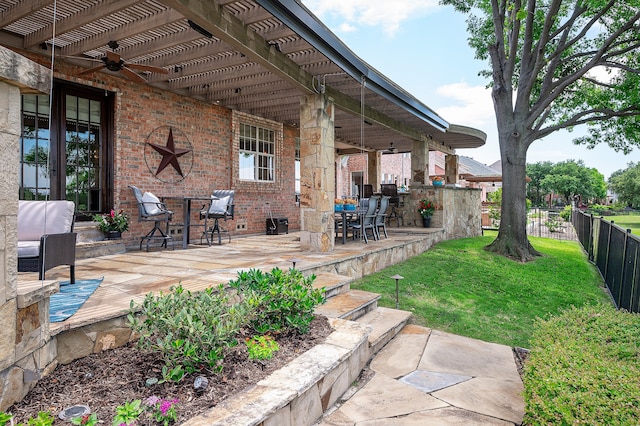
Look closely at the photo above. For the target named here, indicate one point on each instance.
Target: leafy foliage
(626, 184)
(191, 331)
(426, 207)
(261, 347)
(128, 413)
(112, 221)
(583, 368)
(285, 300)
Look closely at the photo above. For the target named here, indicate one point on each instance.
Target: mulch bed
(108, 379)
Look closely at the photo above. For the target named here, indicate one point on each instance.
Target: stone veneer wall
(459, 210)
(25, 345)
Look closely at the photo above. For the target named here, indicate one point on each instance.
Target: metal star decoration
(170, 154)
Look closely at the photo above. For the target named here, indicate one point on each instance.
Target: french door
(66, 150)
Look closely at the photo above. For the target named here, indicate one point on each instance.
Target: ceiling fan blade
(81, 58)
(148, 68)
(90, 70)
(132, 75)
(112, 56)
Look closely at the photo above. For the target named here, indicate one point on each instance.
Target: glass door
(68, 156)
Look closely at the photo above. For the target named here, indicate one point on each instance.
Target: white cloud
(472, 106)
(385, 13)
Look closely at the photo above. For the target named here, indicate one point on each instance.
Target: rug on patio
(70, 298)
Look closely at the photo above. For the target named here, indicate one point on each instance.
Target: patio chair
(381, 216)
(151, 209)
(45, 236)
(221, 207)
(391, 190)
(367, 190)
(366, 220)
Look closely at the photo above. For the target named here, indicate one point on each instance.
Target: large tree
(546, 57)
(626, 184)
(536, 190)
(573, 180)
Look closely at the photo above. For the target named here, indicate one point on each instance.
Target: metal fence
(616, 254)
(541, 222)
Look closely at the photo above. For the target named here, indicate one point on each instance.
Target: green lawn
(627, 222)
(458, 287)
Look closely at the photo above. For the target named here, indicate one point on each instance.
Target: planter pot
(338, 207)
(350, 207)
(438, 183)
(426, 222)
(114, 235)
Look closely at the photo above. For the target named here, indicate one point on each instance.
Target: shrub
(286, 300)
(261, 347)
(191, 331)
(583, 368)
(566, 213)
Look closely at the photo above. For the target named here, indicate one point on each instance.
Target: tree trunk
(512, 238)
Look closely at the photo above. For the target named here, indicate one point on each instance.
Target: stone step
(350, 305)
(89, 249)
(87, 232)
(385, 324)
(333, 284)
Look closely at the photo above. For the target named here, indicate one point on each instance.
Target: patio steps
(362, 307)
(91, 242)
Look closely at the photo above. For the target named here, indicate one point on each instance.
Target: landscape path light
(397, 278)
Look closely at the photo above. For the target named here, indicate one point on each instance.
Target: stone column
(419, 163)
(317, 180)
(451, 169)
(17, 75)
(374, 165)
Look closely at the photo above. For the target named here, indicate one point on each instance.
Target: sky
(422, 46)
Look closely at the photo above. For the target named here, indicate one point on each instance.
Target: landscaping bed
(108, 379)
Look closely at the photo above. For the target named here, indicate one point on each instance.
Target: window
(257, 153)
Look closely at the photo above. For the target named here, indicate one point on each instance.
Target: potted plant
(438, 181)
(113, 224)
(426, 208)
(338, 204)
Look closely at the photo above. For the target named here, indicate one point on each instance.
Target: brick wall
(212, 135)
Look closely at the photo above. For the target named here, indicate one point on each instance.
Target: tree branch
(587, 116)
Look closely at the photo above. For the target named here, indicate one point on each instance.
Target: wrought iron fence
(616, 254)
(541, 222)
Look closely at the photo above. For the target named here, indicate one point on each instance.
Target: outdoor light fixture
(294, 261)
(397, 278)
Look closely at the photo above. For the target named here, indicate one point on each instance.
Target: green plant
(553, 223)
(566, 213)
(162, 410)
(426, 207)
(44, 418)
(112, 221)
(285, 300)
(583, 368)
(86, 420)
(261, 347)
(5, 418)
(128, 413)
(191, 331)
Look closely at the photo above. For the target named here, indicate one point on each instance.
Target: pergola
(258, 56)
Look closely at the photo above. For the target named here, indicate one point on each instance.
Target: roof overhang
(256, 56)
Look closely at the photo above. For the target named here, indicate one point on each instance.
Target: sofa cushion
(28, 248)
(37, 218)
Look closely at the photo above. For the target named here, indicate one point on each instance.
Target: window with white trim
(257, 153)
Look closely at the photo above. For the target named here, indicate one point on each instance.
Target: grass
(458, 287)
(627, 222)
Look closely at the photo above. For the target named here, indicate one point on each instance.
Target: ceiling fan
(113, 62)
(391, 150)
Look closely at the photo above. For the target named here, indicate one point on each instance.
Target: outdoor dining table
(345, 215)
(186, 213)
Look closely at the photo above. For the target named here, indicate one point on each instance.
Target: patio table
(186, 213)
(345, 215)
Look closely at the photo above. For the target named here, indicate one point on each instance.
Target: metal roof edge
(297, 17)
